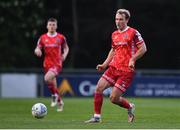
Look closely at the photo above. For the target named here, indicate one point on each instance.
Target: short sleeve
(40, 43)
(112, 42)
(64, 40)
(138, 38)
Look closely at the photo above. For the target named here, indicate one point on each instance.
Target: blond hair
(52, 20)
(125, 12)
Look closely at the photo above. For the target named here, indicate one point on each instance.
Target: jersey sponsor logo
(121, 43)
(65, 88)
(51, 45)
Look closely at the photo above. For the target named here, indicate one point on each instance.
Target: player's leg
(58, 100)
(98, 100)
(117, 99)
(116, 96)
(60, 103)
(50, 79)
(55, 94)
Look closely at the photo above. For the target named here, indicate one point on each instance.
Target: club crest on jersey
(58, 40)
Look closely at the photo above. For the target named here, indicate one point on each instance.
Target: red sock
(54, 91)
(98, 101)
(59, 98)
(57, 92)
(51, 88)
(124, 103)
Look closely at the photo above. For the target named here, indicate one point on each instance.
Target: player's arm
(107, 61)
(65, 50)
(37, 50)
(140, 52)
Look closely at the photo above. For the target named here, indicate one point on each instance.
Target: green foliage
(87, 25)
(19, 21)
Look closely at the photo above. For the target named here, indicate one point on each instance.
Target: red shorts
(117, 78)
(55, 69)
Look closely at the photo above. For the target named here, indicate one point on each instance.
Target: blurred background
(87, 25)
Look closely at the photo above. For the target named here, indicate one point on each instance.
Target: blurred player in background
(127, 47)
(55, 50)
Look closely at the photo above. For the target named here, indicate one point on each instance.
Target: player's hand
(131, 64)
(100, 67)
(38, 52)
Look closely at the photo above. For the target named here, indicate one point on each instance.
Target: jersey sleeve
(112, 42)
(64, 40)
(40, 43)
(138, 38)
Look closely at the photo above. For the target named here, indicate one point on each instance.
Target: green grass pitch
(151, 113)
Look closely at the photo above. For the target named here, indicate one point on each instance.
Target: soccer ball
(39, 110)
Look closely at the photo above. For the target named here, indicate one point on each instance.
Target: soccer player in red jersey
(55, 50)
(127, 47)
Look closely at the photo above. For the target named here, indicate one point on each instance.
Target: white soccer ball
(39, 110)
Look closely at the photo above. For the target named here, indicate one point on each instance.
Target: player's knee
(99, 89)
(46, 79)
(114, 99)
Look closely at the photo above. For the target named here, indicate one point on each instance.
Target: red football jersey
(52, 44)
(125, 46)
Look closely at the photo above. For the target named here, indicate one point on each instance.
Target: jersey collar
(124, 29)
(52, 35)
